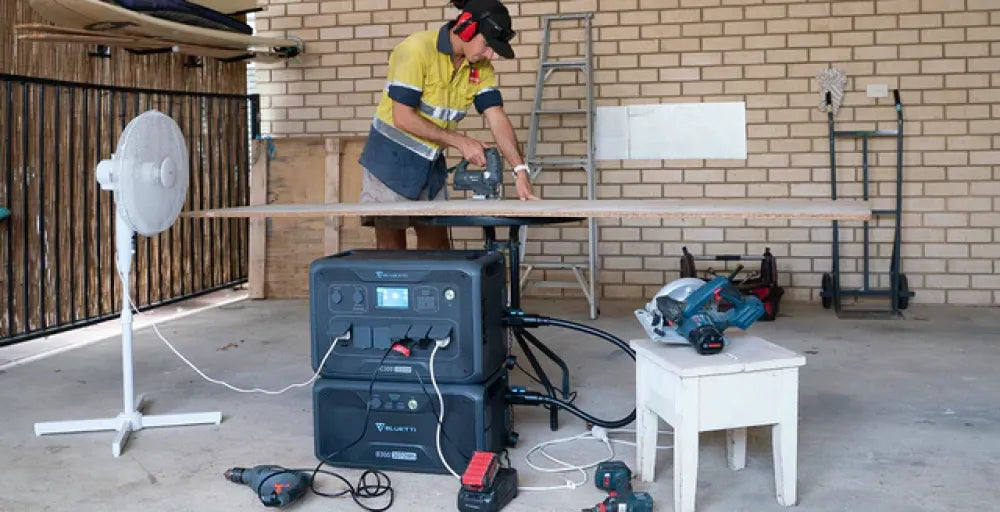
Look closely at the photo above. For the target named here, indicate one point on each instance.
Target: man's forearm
(503, 133)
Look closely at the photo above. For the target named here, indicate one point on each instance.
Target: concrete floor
(895, 416)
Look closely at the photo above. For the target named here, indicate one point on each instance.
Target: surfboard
(227, 6)
(98, 16)
(54, 34)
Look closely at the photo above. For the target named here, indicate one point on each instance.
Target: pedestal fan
(149, 176)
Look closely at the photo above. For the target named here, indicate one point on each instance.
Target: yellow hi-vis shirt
(422, 75)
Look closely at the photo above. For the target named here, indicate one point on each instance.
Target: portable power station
(402, 423)
(370, 300)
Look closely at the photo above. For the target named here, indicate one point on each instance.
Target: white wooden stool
(752, 382)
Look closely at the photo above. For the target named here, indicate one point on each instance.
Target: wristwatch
(522, 167)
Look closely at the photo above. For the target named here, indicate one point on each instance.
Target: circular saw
(687, 311)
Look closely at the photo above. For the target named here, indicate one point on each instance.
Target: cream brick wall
(944, 55)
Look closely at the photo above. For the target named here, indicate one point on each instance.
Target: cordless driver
(275, 486)
(615, 477)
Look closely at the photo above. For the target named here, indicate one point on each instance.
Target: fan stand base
(126, 423)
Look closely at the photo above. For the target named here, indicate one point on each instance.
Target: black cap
(493, 22)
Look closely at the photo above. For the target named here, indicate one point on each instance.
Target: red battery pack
(481, 471)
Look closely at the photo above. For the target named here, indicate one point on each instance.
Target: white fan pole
(158, 174)
(131, 418)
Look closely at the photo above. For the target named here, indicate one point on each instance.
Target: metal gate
(57, 244)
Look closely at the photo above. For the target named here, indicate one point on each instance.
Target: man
(434, 77)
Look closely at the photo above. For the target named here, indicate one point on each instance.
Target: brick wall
(944, 55)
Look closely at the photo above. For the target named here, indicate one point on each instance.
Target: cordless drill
(633, 502)
(275, 486)
(615, 477)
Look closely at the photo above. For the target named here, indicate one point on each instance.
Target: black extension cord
(519, 396)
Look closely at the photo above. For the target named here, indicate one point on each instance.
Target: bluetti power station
(375, 406)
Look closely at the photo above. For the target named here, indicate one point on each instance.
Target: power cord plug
(599, 432)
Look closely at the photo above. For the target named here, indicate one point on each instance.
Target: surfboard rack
(139, 45)
(94, 22)
(151, 51)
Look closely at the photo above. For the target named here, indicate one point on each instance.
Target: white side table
(752, 382)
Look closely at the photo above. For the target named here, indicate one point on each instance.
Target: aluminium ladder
(586, 279)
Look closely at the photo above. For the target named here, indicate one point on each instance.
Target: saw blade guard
(652, 317)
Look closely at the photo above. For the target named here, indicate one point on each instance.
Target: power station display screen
(392, 298)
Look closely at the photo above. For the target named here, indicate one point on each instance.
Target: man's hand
(407, 118)
(503, 132)
(524, 187)
(472, 150)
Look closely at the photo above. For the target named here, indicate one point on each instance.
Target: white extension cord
(439, 344)
(594, 434)
(230, 386)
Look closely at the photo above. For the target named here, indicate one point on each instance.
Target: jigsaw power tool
(484, 184)
(687, 311)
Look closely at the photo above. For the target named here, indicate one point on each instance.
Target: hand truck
(898, 293)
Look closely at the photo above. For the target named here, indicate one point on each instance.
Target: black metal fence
(57, 245)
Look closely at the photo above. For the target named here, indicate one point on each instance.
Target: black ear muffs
(465, 27)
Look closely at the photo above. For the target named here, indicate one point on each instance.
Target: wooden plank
(331, 238)
(600, 208)
(256, 274)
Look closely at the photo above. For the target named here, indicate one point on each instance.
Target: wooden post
(258, 226)
(331, 235)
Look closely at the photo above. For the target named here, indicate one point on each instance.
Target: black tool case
(762, 283)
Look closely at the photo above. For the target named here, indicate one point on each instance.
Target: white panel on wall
(611, 133)
(672, 131)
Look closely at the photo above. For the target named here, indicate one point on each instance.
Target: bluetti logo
(382, 427)
(391, 275)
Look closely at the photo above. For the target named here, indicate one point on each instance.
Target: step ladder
(585, 273)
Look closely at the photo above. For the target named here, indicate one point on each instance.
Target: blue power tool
(699, 313)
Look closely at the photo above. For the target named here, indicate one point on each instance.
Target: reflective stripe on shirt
(403, 139)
